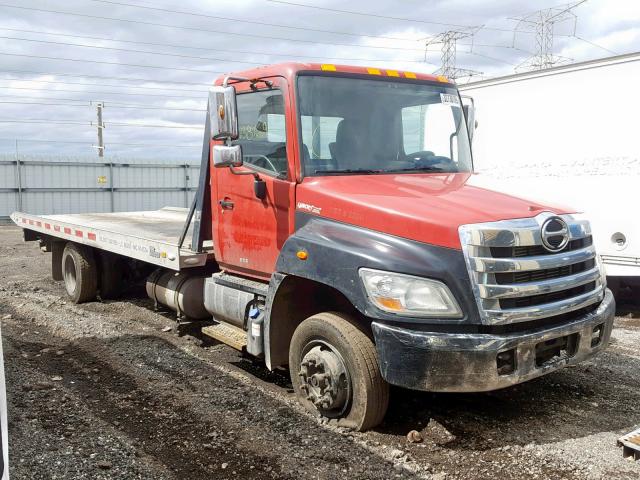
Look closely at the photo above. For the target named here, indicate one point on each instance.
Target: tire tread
(366, 355)
(86, 272)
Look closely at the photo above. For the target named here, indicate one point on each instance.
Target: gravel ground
(101, 391)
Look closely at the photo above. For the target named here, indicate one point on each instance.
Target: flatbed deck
(150, 236)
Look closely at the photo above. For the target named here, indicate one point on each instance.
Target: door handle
(226, 204)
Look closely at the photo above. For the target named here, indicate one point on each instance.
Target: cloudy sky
(150, 62)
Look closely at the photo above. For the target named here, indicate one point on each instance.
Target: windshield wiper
(416, 169)
(351, 170)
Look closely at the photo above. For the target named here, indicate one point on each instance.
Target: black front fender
(336, 251)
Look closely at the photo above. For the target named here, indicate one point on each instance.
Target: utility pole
(100, 125)
(449, 41)
(542, 23)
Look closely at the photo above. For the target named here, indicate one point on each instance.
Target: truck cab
(350, 243)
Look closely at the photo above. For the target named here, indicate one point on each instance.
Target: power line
(90, 123)
(351, 12)
(471, 52)
(117, 105)
(596, 45)
(126, 124)
(108, 63)
(99, 84)
(132, 79)
(88, 102)
(127, 50)
(181, 27)
(249, 52)
(107, 105)
(107, 93)
(86, 142)
(254, 22)
(44, 120)
(388, 17)
(154, 145)
(45, 103)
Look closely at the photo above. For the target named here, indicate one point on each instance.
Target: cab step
(630, 444)
(241, 283)
(226, 333)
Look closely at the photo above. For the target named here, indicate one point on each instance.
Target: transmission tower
(449, 46)
(542, 23)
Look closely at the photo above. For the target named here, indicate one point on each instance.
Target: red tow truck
(337, 230)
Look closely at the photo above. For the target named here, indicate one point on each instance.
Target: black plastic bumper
(458, 362)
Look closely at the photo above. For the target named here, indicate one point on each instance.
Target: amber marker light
(390, 303)
(302, 255)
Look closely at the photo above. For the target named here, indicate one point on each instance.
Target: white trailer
(569, 135)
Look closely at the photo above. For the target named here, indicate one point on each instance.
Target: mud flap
(56, 260)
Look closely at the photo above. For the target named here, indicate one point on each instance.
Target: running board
(240, 283)
(226, 333)
(630, 444)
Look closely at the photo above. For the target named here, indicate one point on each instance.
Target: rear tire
(331, 350)
(79, 272)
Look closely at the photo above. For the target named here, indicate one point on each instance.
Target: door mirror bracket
(259, 185)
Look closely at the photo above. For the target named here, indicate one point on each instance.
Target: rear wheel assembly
(334, 370)
(79, 272)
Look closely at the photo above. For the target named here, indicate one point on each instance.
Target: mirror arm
(253, 81)
(249, 172)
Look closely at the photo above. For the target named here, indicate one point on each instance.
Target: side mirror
(227, 156)
(223, 113)
(470, 116)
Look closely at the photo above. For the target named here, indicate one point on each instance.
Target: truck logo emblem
(309, 208)
(555, 234)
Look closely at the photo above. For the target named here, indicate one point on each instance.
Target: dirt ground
(101, 390)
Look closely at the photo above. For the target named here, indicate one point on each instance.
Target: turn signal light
(390, 303)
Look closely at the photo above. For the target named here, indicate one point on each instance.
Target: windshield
(353, 125)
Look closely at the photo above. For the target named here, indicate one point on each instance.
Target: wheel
(111, 275)
(335, 372)
(79, 272)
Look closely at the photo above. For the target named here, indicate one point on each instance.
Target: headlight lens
(409, 295)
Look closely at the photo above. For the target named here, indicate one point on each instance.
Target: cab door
(250, 230)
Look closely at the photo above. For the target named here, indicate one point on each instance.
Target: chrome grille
(516, 279)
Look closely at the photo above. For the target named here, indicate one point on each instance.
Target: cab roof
(289, 70)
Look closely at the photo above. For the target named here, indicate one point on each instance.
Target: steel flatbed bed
(150, 236)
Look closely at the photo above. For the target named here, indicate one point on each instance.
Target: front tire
(79, 272)
(335, 372)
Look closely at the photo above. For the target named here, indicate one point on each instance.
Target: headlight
(409, 295)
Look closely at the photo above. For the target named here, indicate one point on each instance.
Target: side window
(429, 128)
(262, 130)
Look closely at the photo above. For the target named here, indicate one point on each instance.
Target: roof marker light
(327, 67)
(410, 75)
(393, 73)
(374, 71)
(442, 78)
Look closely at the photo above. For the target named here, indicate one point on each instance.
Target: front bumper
(459, 362)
